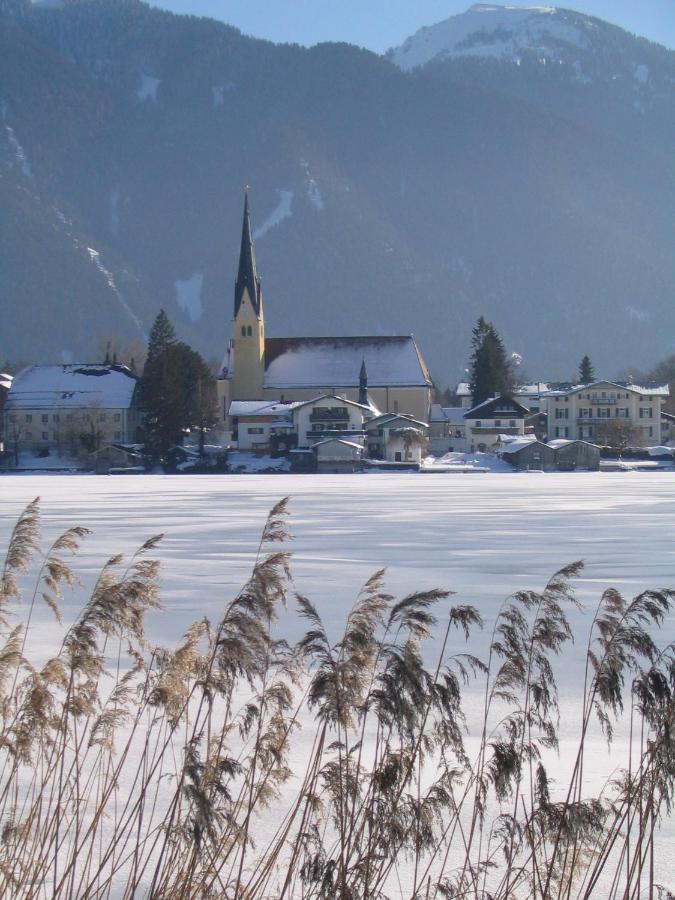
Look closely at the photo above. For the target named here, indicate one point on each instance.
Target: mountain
(507, 33)
(539, 194)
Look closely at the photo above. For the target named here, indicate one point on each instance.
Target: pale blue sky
(380, 24)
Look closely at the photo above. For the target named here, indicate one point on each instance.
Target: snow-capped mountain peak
(498, 32)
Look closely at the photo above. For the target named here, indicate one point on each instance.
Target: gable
(497, 407)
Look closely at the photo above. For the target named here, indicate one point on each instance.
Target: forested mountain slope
(385, 201)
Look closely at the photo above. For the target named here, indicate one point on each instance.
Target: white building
(587, 411)
(260, 425)
(49, 409)
(396, 438)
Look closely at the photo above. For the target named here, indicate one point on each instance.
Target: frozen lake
(481, 536)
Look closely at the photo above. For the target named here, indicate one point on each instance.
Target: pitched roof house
(48, 407)
(390, 368)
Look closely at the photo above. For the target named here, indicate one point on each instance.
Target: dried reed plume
(131, 770)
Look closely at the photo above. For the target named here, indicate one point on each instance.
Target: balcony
(325, 414)
(495, 429)
(599, 420)
(603, 401)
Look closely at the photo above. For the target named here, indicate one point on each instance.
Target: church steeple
(363, 385)
(247, 276)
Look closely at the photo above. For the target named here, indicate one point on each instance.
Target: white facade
(585, 411)
(329, 416)
(49, 408)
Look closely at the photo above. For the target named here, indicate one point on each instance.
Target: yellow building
(284, 369)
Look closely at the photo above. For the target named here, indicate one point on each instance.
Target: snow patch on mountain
(497, 32)
(148, 87)
(641, 74)
(15, 144)
(635, 314)
(218, 92)
(189, 295)
(115, 212)
(95, 257)
(280, 212)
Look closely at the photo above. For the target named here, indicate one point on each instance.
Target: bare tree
(619, 434)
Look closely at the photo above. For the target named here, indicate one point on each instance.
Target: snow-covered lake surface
(483, 537)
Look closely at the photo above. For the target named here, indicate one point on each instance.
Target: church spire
(363, 385)
(247, 276)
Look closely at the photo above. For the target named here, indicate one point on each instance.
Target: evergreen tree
(586, 373)
(491, 371)
(177, 391)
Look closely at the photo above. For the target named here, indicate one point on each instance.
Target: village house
(5, 385)
(70, 409)
(587, 411)
(492, 418)
(288, 369)
(396, 438)
(263, 426)
(447, 429)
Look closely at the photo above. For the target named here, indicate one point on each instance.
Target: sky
(380, 24)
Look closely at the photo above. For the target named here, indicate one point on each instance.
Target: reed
(132, 770)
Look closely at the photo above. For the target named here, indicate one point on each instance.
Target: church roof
(335, 362)
(247, 274)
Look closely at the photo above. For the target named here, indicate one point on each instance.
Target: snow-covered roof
(454, 414)
(651, 388)
(385, 418)
(512, 439)
(240, 408)
(539, 387)
(322, 443)
(517, 446)
(336, 362)
(360, 406)
(463, 389)
(72, 387)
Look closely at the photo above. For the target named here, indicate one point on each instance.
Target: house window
(45, 435)
(117, 417)
(29, 435)
(243, 331)
(101, 417)
(56, 417)
(249, 330)
(256, 430)
(479, 424)
(45, 417)
(512, 423)
(498, 423)
(29, 417)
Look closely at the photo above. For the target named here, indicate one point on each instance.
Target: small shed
(337, 455)
(571, 455)
(530, 456)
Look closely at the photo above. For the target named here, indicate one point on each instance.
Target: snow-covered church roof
(335, 362)
(73, 386)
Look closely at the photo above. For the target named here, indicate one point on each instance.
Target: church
(287, 369)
